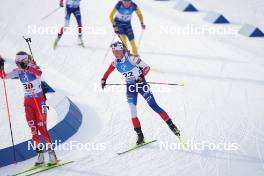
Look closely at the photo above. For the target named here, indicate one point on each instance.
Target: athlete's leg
(32, 122)
(78, 17)
(131, 38)
(134, 47)
(124, 39)
(132, 101)
(42, 126)
(42, 119)
(121, 32)
(145, 91)
(67, 17)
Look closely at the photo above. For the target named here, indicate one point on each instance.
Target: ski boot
(52, 157)
(176, 131)
(55, 44)
(140, 139)
(173, 128)
(80, 40)
(40, 159)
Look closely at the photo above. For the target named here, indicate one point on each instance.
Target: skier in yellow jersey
(121, 17)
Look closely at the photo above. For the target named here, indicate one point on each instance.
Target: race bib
(32, 86)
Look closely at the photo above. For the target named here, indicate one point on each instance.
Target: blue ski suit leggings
(144, 89)
(76, 12)
(125, 29)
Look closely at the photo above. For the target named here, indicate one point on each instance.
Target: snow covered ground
(248, 11)
(221, 102)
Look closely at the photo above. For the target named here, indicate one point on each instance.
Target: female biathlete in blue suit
(134, 71)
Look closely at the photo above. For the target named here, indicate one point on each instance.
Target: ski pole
(28, 40)
(52, 12)
(122, 42)
(116, 84)
(108, 49)
(160, 83)
(140, 39)
(169, 84)
(9, 118)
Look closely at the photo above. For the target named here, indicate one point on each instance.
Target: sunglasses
(19, 62)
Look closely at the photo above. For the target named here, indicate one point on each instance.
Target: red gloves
(2, 73)
(61, 3)
(145, 71)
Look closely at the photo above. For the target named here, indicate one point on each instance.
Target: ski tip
(61, 162)
(81, 45)
(182, 84)
(51, 163)
(66, 162)
(183, 144)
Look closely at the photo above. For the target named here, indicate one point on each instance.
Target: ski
(136, 146)
(30, 169)
(80, 41)
(49, 167)
(81, 45)
(55, 44)
(183, 144)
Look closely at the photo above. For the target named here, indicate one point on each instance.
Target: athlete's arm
(141, 65)
(145, 68)
(61, 3)
(111, 16)
(2, 73)
(35, 71)
(10, 75)
(140, 16)
(110, 69)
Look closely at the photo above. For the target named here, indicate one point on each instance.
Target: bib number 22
(128, 75)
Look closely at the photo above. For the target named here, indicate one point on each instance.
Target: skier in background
(72, 7)
(121, 17)
(134, 71)
(34, 102)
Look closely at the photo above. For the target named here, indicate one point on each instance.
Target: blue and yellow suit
(121, 17)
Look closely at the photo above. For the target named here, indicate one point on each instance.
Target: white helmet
(117, 46)
(22, 57)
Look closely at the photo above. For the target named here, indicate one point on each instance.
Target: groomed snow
(221, 102)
